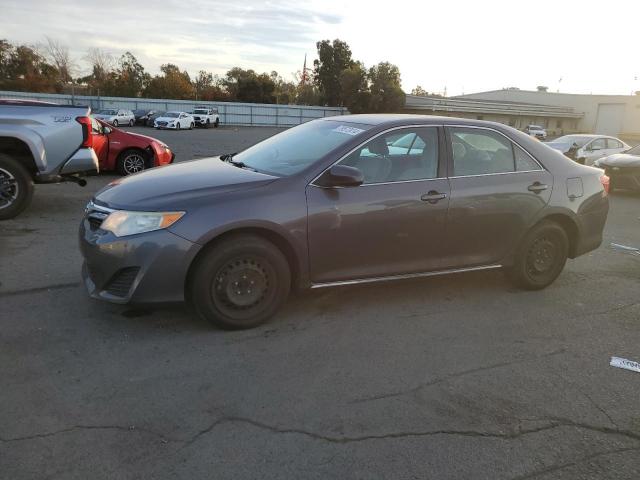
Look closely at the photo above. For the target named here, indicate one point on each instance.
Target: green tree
(22, 68)
(419, 91)
(172, 83)
(130, 78)
(354, 88)
(248, 86)
(333, 58)
(386, 92)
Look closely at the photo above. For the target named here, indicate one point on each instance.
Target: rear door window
(477, 151)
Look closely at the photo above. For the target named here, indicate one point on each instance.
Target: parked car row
(202, 116)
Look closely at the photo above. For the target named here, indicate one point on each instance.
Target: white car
(586, 149)
(536, 131)
(175, 120)
(205, 116)
(117, 118)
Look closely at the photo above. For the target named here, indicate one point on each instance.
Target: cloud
(197, 34)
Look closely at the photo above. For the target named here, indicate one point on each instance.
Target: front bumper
(145, 268)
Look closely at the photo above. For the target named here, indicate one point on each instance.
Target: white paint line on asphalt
(624, 363)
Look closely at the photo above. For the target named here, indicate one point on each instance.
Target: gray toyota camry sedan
(336, 201)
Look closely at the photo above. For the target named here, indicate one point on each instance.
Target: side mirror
(342, 176)
(106, 130)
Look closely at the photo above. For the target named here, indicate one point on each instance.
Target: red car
(127, 152)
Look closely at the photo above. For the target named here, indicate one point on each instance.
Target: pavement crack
(446, 378)
(27, 291)
(562, 466)
(510, 435)
(75, 428)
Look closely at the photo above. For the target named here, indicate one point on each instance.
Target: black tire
(16, 187)
(178, 126)
(131, 123)
(208, 124)
(540, 257)
(254, 266)
(217, 123)
(191, 125)
(131, 161)
(115, 123)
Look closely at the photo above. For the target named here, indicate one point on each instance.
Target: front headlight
(122, 223)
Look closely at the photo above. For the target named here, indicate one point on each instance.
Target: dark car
(152, 118)
(337, 201)
(142, 116)
(623, 169)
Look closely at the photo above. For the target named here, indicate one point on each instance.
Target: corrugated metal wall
(231, 113)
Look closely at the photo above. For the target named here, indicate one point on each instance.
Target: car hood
(166, 119)
(620, 160)
(179, 186)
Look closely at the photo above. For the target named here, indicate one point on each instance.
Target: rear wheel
(240, 283)
(131, 161)
(115, 123)
(16, 187)
(540, 257)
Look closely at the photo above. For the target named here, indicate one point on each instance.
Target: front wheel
(131, 122)
(16, 187)
(115, 123)
(217, 124)
(130, 162)
(540, 257)
(240, 283)
(178, 126)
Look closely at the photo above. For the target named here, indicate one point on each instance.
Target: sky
(458, 45)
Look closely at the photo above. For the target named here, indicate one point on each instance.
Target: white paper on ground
(626, 364)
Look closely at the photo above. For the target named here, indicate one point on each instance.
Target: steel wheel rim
(133, 163)
(242, 284)
(542, 257)
(9, 189)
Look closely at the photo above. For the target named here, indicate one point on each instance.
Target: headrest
(378, 147)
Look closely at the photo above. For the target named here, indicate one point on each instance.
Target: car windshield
(107, 112)
(172, 114)
(534, 127)
(295, 149)
(139, 112)
(201, 111)
(577, 139)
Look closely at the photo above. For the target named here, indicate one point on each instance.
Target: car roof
(399, 119)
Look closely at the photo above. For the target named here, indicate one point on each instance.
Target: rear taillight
(606, 182)
(87, 131)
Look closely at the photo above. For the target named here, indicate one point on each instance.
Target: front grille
(196, 118)
(162, 124)
(121, 282)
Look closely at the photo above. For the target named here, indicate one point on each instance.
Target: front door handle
(537, 187)
(433, 197)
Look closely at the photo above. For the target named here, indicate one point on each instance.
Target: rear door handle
(433, 197)
(537, 187)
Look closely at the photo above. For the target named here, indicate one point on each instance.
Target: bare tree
(101, 62)
(58, 54)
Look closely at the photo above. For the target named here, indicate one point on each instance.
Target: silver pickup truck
(41, 143)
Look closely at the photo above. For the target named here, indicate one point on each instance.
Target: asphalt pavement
(456, 377)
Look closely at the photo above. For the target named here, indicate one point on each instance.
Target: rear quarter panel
(51, 132)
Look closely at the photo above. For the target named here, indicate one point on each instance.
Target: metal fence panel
(231, 113)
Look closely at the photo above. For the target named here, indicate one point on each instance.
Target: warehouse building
(559, 113)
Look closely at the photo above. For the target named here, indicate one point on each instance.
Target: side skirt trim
(403, 277)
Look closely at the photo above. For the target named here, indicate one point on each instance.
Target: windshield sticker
(348, 130)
